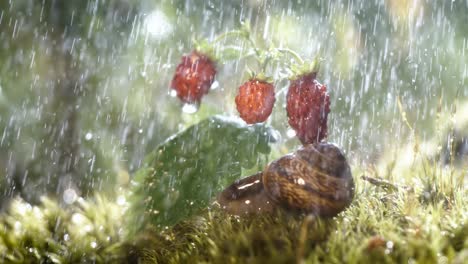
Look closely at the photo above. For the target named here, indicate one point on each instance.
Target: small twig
(228, 34)
(384, 183)
(403, 114)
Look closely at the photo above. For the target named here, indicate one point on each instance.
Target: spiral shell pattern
(315, 179)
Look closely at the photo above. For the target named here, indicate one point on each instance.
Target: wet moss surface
(424, 221)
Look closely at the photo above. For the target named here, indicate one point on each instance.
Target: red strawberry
(255, 100)
(308, 105)
(193, 77)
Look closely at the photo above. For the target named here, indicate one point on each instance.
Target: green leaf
(182, 175)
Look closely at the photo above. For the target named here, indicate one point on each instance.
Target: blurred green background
(84, 85)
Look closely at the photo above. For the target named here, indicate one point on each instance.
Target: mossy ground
(420, 224)
(423, 222)
(422, 219)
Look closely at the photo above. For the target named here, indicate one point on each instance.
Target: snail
(315, 179)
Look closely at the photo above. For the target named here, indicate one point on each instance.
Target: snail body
(315, 179)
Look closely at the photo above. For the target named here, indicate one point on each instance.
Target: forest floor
(425, 222)
(422, 219)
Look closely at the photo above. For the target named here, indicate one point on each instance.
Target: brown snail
(315, 179)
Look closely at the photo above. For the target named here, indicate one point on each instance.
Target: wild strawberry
(308, 105)
(193, 77)
(255, 100)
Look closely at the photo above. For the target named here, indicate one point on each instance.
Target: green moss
(379, 227)
(422, 220)
(88, 231)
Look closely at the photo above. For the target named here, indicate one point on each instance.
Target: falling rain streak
(85, 90)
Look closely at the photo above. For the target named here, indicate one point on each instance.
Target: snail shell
(315, 179)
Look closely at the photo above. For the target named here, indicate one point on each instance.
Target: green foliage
(183, 174)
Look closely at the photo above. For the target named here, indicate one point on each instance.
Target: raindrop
(121, 200)
(190, 108)
(23, 208)
(17, 226)
(88, 136)
(87, 228)
(157, 25)
(69, 196)
(301, 181)
(389, 244)
(78, 219)
(215, 85)
(93, 244)
(290, 133)
(173, 93)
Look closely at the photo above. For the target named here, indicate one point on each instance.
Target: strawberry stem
(254, 46)
(315, 65)
(265, 62)
(244, 32)
(267, 58)
(292, 54)
(229, 34)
